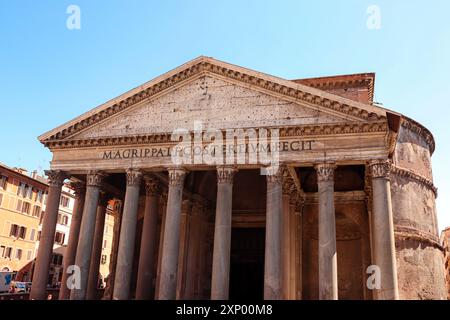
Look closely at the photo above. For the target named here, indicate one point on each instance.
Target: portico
(308, 168)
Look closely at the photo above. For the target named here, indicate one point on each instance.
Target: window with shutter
(22, 232)
(14, 230)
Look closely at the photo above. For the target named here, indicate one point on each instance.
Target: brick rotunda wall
(419, 255)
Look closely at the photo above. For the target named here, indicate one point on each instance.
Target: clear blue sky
(50, 74)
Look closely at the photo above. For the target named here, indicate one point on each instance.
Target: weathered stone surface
(419, 260)
(217, 103)
(412, 152)
(420, 271)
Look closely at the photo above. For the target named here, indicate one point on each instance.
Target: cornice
(339, 197)
(288, 131)
(409, 233)
(285, 88)
(405, 173)
(328, 83)
(416, 127)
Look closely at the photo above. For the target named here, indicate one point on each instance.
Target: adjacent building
(22, 201)
(108, 237)
(445, 240)
(64, 219)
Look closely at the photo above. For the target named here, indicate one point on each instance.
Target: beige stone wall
(419, 258)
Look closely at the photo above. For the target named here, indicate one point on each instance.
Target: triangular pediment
(217, 95)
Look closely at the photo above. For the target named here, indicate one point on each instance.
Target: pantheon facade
(228, 183)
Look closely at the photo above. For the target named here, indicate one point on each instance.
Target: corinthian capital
(275, 175)
(225, 174)
(380, 168)
(176, 177)
(79, 187)
(325, 171)
(95, 178)
(134, 177)
(56, 177)
(152, 187)
(287, 181)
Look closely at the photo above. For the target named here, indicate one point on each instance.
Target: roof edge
(165, 80)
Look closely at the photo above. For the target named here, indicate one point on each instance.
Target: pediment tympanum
(214, 103)
(218, 95)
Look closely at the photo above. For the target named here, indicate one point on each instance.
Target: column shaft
(146, 271)
(45, 250)
(383, 231)
(127, 238)
(222, 235)
(299, 250)
(71, 250)
(285, 245)
(94, 268)
(84, 247)
(328, 286)
(161, 224)
(273, 261)
(171, 239)
(293, 252)
(183, 257)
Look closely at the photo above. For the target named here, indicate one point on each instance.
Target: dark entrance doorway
(247, 263)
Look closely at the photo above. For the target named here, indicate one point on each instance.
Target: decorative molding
(298, 200)
(288, 185)
(416, 127)
(289, 91)
(380, 168)
(392, 142)
(56, 177)
(206, 66)
(152, 186)
(325, 171)
(225, 174)
(404, 173)
(339, 197)
(285, 132)
(327, 83)
(368, 190)
(134, 177)
(95, 178)
(176, 177)
(409, 233)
